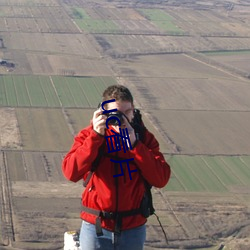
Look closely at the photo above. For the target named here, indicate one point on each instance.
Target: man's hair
(117, 92)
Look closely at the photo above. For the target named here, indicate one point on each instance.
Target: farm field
(9, 136)
(206, 132)
(48, 3)
(87, 23)
(171, 54)
(107, 13)
(36, 166)
(209, 22)
(40, 195)
(51, 44)
(54, 54)
(31, 16)
(43, 25)
(111, 20)
(225, 43)
(119, 44)
(160, 84)
(162, 20)
(65, 65)
(209, 173)
(192, 93)
(170, 66)
(55, 91)
(39, 130)
(236, 59)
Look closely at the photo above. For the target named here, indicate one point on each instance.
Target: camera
(114, 117)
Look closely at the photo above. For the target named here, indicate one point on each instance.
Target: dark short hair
(117, 92)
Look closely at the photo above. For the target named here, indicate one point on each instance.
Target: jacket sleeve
(83, 152)
(151, 161)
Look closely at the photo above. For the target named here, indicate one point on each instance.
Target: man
(113, 197)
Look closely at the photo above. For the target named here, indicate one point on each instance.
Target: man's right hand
(99, 122)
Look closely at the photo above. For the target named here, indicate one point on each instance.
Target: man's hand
(131, 131)
(99, 122)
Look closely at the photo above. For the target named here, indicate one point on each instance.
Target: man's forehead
(122, 104)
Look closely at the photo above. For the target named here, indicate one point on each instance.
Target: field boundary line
(5, 93)
(173, 212)
(216, 67)
(14, 85)
(69, 89)
(43, 52)
(34, 151)
(42, 88)
(8, 100)
(182, 184)
(171, 154)
(7, 206)
(65, 115)
(27, 89)
(54, 87)
(71, 19)
(80, 85)
(194, 174)
(79, 29)
(204, 110)
(174, 147)
(96, 84)
(244, 163)
(232, 171)
(214, 172)
(25, 166)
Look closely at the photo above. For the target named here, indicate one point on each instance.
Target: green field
(79, 13)
(226, 53)
(161, 19)
(93, 25)
(87, 23)
(156, 15)
(208, 173)
(55, 91)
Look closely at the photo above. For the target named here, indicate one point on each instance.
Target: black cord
(166, 238)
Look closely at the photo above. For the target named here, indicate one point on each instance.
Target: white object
(71, 240)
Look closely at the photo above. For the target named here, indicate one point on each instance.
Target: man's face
(125, 107)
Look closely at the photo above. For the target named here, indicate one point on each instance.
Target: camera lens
(114, 118)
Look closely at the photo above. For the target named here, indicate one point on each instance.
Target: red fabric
(100, 192)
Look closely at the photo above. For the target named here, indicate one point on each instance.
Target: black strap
(150, 198)
(109, 215)
(98, 227)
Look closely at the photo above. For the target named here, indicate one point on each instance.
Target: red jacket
(100, 192)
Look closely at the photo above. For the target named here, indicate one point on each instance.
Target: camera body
(114, 117)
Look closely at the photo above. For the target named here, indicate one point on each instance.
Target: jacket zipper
(117, 202)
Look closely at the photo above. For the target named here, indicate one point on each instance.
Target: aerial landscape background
(187, 63)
